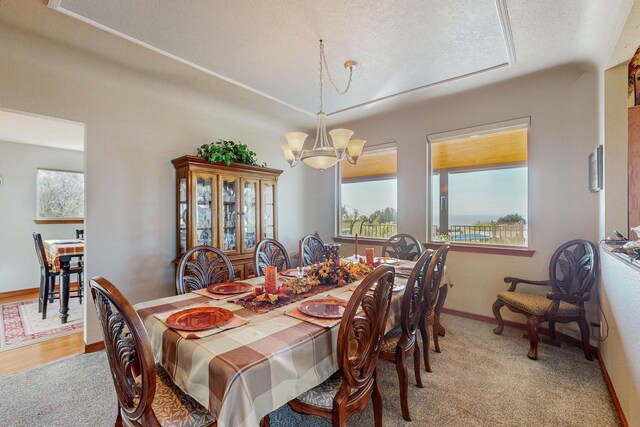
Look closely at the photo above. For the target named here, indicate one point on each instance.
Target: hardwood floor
(37, 354)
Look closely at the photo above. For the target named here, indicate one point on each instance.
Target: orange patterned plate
(229, 288)
(324, 308)
(199, 318)
(293, 272)
(387, 260)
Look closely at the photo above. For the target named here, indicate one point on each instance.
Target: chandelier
(324, 155)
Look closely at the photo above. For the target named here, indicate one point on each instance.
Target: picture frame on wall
(595, 170)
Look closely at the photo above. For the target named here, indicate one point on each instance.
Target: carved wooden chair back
(362, 329)
(201, 267)
(129, 353)
(270, 252)
(573, 268)
(313, 250)
(435, 273)
(79, 233)
(402, 246)
(411, 308)
(42, 257)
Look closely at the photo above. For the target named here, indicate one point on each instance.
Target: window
(368, 194)
(60, 194)
(479, 185)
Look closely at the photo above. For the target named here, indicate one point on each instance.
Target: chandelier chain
(323, 62)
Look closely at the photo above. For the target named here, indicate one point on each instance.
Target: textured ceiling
(39, 130)
(271, 46)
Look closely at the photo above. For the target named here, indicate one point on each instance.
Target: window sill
(59, 221)
(493, 250)
(349, 239)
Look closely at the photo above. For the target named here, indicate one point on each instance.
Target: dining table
(60, 253)
(242, 374)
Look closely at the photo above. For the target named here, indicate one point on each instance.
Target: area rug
(21, 324)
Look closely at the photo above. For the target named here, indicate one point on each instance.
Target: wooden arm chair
(431, 296)
(572, 273)
(47, 293)
(401, 340)
(201, 267)
(146, 395)
(359, 343)
(313, 250)
(402, 246)
(270, 252)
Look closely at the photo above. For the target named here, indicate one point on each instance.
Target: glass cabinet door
(182, 214)
(250, 215)
(229, 213)
(204, 212)
(269, 210)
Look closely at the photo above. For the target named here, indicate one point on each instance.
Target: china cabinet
(229, 207)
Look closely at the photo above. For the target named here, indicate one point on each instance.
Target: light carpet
(479, 379)
(21, 324)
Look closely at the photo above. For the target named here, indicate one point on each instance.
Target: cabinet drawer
(238, 272)
(249, 271)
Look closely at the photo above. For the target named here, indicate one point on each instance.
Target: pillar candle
(270, 279)
(369, 252)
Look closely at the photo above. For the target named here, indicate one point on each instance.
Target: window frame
(62, 220)
(501, 126)
(338, 199)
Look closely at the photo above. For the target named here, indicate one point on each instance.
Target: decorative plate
(387, 260)
(293, 272)
(229, 288)
(396, 287)
(199, 318)
(324, 308)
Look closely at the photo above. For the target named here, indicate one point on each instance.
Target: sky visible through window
(483, 195)
(370, 196)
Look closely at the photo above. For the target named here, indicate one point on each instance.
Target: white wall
(136, 122)
(18, 166)
(563, 105)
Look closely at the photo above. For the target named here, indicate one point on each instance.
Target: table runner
(242, 374)
(54, 249)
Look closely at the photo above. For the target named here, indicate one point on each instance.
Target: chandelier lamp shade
(324, 155)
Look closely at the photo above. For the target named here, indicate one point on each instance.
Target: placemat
(206, 293)
(233, 323)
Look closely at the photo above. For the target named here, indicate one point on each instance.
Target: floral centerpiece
(339, 273)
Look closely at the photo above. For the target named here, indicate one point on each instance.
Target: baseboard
(517, 325)
(93, 347)
(10, 294)
(612, 392)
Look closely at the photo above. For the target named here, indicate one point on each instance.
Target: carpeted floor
(479, 379)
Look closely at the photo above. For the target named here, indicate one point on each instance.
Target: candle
(369, 252)
(270, 279)
(300, 254)
(356, 257)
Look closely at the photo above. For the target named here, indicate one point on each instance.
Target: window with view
(368, 195)
(60, 194)
(479, 186)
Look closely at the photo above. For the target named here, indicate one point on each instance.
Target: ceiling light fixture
(324, 155)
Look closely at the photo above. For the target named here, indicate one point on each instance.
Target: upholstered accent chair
(402, 339)
(359, 343)
(146, 395)
(430, 299)
(48, 293)
(270, 252)
(402, 246)
(572, 273)
(201, 267)
(313, 250)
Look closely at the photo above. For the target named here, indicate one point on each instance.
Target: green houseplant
(228, 152)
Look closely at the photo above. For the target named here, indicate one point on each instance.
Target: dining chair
(270, 252)
(201, 267)
(313, 250)
(573, 271)
(402, 246)
(79, 233)
(145, 393)
(433, 281)
(359, 338)
(402, 339)
(47, 292)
